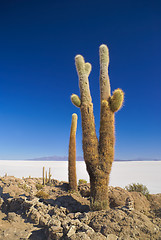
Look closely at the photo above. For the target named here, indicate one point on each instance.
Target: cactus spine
(98, 155)
(72, 155)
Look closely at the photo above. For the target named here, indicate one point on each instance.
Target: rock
(71, 215)
(140, 202)
(97, 236)
(56, 229)
(80, 236)
(124, 224)
(84, 189)
(44, 220)
(83, 217)
(155, 204)
(112, 237)
(53, 235)
(1, 202)
(14, 204)
(77, 214)
(66, 215)
(71, 231)
(117, 196)
(67, 223)
(54, 222)
(34, 216)
(13, 217)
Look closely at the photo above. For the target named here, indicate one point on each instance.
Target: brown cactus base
(99, 193)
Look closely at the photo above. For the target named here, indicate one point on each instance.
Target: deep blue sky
(38, 43)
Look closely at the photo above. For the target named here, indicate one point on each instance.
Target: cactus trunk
(98, 155)
(99, 191)
(72, 155)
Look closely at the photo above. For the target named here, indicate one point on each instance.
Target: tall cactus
(72, 155)
(98, 154)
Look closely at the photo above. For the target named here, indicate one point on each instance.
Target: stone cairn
(129, 204)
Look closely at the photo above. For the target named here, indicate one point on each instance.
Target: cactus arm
(88, 68)
(75, 100)
(90, 141)
(105, 89)
(106, 139)
(72, 154)
(83, 79)
(116, 101)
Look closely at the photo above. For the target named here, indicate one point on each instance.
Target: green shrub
(39, 186)
(42, 194)
(138, 187)
(82, 181)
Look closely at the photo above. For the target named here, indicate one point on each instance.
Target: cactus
(49, 175)
(72, 155)
(43, 176)
(98, 154)
(46, 177)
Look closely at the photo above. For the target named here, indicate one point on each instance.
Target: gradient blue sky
(38, 43)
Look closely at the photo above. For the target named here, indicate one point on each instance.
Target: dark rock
(84, 189)
(34, 216)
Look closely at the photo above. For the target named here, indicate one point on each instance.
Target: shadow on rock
(38, 235)
(69, 202)
(63, 186)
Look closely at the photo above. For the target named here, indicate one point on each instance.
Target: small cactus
(43, 175)
(46, 177)
(49, 175)
(72, 155)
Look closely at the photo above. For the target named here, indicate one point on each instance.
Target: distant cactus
(49, 175)
(98, 155)
(43, 176)
(72, 155)
(46, 177)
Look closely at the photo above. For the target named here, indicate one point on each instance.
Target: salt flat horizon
(122, 174)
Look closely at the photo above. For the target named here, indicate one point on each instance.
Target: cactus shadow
(68, 202)
(63, 186)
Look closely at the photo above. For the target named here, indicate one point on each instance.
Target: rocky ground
(32, 211)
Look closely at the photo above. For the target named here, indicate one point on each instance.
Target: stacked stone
(129, 204)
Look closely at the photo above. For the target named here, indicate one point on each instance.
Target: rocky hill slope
(32, 211)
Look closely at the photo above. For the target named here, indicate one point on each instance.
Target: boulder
(140, 202)
(84, 189)
(117, 196)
